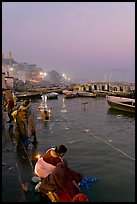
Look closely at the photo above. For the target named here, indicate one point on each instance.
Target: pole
(2, 58)
(10, 58)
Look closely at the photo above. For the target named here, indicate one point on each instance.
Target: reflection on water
(122, 113)
(63, 109)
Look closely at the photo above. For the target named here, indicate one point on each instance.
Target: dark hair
(60, 149)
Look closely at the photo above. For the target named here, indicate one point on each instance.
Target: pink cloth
(42, 168)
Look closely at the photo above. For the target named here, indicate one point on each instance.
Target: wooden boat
(52, 95)
(86, 94)
(65, 91)
(28, 95)
(121, 103)
(71, 94)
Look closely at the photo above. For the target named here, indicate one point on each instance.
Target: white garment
(42, 168)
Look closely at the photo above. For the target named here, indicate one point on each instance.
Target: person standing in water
(22, 119)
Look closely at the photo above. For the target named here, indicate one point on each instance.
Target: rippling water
(100, 142)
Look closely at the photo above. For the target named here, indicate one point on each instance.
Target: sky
(87, 41)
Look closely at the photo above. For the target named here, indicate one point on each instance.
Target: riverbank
(14, 174)
(11, 181)
(17, 168)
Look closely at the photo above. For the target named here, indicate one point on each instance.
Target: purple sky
(84, 40)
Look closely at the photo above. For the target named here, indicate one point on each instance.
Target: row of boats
(54, 95)
(115, 102)
(73, 94)
(35, 95)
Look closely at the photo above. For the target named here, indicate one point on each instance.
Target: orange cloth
(80, 198)
(50, 159)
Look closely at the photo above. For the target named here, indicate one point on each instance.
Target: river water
(100, 142)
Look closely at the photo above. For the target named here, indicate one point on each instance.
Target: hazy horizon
(88, 41)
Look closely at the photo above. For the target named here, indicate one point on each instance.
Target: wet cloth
(62, 181)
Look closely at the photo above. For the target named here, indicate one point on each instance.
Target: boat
(71, 94)
(27, 95)
(52, 95)
(86, 94)
(121, 103)
(65, 91)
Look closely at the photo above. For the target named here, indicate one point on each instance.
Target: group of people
(23, 116)
(59, 181)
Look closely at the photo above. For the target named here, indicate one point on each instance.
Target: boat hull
(52, 95)
(122, 104)
(86, 94)
(24, 96)
(71, 95)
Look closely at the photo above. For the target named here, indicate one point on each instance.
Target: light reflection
(38, 156)
(63, 106)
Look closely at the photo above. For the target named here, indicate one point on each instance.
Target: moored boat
(65, 91)
(71, 94)
(121, 103)
(52, 95)
(86, 94)
(28, 95)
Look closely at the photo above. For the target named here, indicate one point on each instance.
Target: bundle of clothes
(62, 185)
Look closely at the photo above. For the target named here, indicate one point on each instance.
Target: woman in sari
(22, 118)
(62, 184)
(46, 164)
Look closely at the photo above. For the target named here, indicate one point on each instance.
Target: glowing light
(38, 156)
(63, 75)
